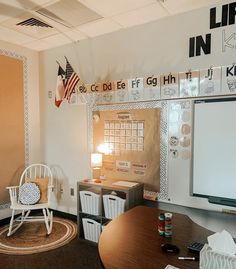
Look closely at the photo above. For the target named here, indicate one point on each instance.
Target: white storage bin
(113, 206)
(90, 202)
(92, 229)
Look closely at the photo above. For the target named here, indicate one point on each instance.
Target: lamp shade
(96, 160)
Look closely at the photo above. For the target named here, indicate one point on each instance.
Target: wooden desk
(132, 241)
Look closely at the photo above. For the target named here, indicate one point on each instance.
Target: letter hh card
(169, 86)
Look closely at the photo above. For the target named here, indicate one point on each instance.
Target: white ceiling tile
(13, 36)
(7, 11)
(70, 13)
(26, 4)
(38, 45)
(142, 15)
(179, 6)
(99, 27)
(112, 7)
(75, 35)
(57, 40)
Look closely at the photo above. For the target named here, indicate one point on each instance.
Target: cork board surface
(12, 154)
(133, 139)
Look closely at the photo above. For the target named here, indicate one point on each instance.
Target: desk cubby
(94, 210)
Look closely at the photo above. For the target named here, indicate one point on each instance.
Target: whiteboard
(214, 148)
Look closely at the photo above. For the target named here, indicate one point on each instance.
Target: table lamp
(96, 164)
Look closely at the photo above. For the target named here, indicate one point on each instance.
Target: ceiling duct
(34, 22)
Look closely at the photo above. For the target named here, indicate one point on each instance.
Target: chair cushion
(29, 193)
(42, 183)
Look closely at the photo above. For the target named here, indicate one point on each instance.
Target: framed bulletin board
(12, 144)
(133, 139)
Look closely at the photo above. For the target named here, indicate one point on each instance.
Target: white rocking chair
(41, 177)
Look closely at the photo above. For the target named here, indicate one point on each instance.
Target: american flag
(71, 80)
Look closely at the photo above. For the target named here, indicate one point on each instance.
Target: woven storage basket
(92, 229)
(113, 206)
(90, 202)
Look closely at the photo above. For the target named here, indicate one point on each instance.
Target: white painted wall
(64, 136)
(32, 82)
(154, 48)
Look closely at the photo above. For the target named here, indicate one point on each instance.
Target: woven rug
(32, 237)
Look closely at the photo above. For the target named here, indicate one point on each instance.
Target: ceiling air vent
(34, 22)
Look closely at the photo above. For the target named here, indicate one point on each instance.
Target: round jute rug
(32, 237)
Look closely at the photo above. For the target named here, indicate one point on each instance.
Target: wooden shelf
(132, 195)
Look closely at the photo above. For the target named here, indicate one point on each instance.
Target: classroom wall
(32, 116)
(154, 48)
(64, 135)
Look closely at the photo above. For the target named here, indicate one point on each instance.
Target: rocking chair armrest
(12, 187)
(13, 194)
(50, 187)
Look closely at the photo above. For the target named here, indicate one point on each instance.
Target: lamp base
(96, 173)
(96, 180)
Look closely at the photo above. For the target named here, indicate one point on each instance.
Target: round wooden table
(132, 241)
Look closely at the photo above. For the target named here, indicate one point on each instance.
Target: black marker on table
(189, 258)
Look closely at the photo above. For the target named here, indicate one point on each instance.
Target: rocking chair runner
(40, 178)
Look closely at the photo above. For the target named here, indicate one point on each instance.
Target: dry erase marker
(188, 258)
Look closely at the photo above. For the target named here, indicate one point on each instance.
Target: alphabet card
(151, 88)
(135, 89)
(107, 97)
(169, 86)
(228, 83)
(189, 83)
(121, 91)
(107, 94)
(210, 81)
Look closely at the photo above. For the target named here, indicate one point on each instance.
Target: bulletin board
(12, 143)
(134, 137)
